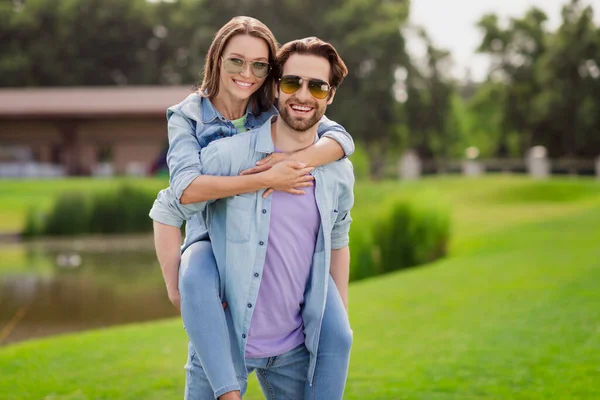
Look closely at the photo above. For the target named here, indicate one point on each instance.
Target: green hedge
(405, 233)
(361, 163)
(123, 210)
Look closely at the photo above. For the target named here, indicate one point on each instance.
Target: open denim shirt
(239, 228)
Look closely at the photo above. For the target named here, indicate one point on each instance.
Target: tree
(546, 84)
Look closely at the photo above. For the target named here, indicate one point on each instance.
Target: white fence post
(410, 166)
(538, 165)
(472, 166)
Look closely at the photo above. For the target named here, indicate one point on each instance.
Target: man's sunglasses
(234, 65)
(291, 84)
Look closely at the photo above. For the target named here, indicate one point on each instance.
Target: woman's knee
(199, 272)
(336, 335)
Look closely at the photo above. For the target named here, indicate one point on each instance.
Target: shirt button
(261, 243)
(249, 305)
(243, 336)
(256, 274)
(264, 211)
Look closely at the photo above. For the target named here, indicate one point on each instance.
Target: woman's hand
(267, 162)
(285, 176)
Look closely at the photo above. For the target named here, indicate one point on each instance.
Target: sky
(451, 25)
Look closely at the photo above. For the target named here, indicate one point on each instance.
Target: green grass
(512, 313)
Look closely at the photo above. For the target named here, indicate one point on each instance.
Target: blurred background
(477, 124)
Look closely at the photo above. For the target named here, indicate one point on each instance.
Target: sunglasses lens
(260, 69)
(319, 89)
(233, 65)
(290, 84)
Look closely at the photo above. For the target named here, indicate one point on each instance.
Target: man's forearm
(209, 187)
(340, 272)
(167, 242)
(323, 152)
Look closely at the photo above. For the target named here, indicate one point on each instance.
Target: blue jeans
(206, 325)
(281, 377)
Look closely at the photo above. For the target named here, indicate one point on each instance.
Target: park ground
(513, 311)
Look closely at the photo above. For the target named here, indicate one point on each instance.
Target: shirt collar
(210, 113)
(264, 140)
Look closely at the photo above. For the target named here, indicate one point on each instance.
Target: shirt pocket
(240, 210)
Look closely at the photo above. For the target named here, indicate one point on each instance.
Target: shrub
(34, 223)
(361, 163)
(69, 216)
(405, 234)
(124, 210)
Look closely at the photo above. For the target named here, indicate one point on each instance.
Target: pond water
(57, 286)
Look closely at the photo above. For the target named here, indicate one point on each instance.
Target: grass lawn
(512, 313)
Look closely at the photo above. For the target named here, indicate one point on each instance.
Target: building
(84, 130)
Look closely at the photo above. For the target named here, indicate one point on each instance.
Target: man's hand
(287, 176)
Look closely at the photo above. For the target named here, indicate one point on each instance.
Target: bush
(124, 210)
(34, 223)
(361, 163)
(405, 234)
(69, 216)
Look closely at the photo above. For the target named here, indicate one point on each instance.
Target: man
(275, 254)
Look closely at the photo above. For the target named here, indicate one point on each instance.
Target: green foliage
(121, 210)
(69, 216)
(33, 223)
(361, 163)
(412, 233)
(406, 233)
(546, 82)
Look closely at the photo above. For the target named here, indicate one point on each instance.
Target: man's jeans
(281, 377)
(199, 285)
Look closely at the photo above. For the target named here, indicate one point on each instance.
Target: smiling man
(281, 257)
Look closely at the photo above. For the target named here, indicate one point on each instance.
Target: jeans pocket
(239, 217)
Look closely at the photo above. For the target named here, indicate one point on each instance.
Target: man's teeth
(301, 108)
(244, 84)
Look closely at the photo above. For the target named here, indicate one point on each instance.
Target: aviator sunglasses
(234, 65)
(291, 84)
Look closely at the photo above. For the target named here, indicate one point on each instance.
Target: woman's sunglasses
(291, 84)
(234, 65)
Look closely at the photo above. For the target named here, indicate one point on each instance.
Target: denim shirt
(193, 124)
(239, 228)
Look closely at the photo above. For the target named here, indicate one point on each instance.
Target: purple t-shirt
(276, 326)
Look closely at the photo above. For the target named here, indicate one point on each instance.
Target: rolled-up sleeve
(332, 130)
(341, 226)
(168, 210)
(183, 157)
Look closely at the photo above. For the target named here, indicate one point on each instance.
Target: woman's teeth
(243, 84)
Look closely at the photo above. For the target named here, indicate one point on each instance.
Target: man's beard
(298, 123)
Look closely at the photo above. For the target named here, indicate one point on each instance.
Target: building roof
(89, 102)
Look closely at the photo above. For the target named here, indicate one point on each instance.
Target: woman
(237, 94)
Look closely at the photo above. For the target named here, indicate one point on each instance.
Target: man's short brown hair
(317, 47)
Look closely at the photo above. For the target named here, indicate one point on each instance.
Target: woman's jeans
(206, 326)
